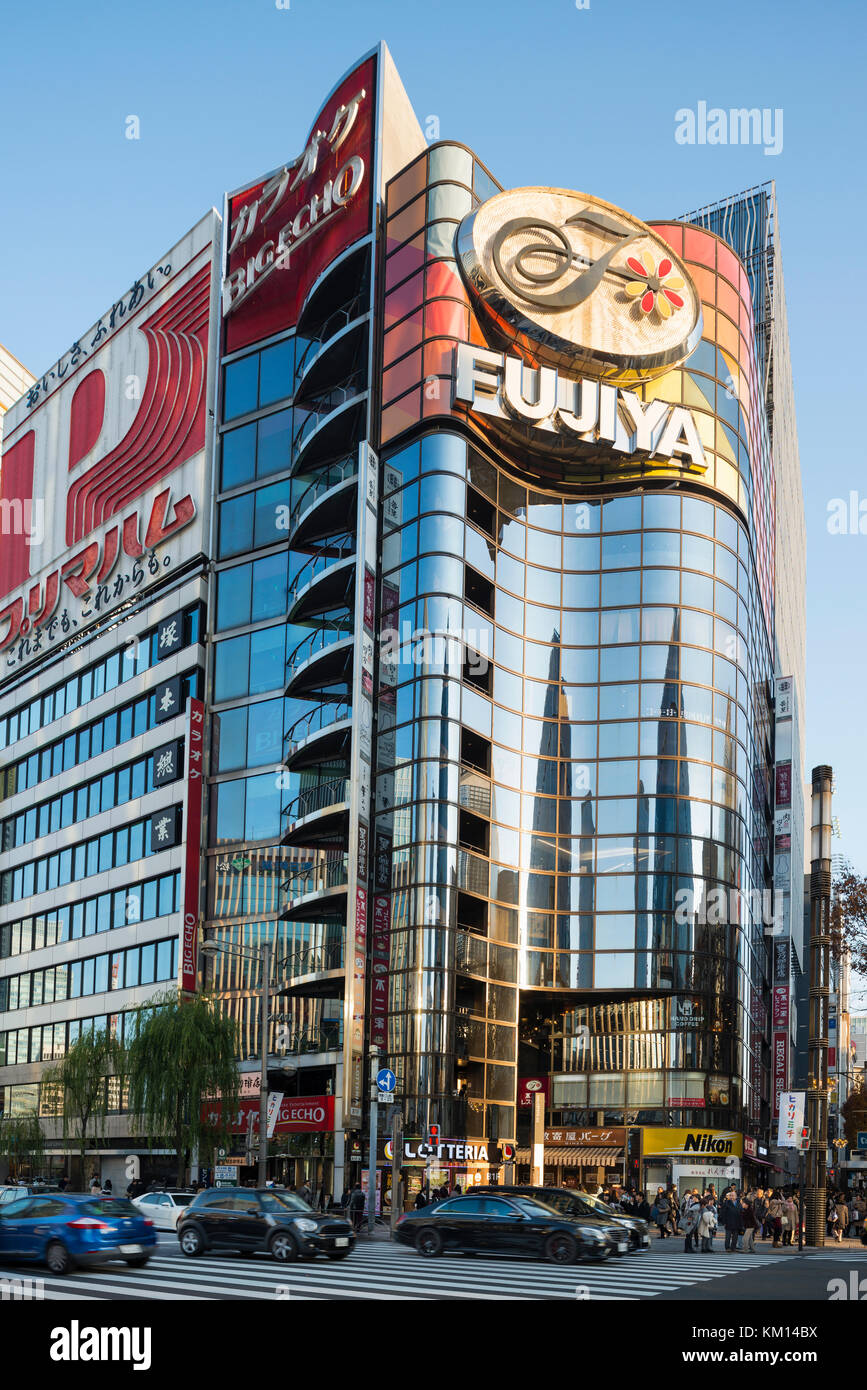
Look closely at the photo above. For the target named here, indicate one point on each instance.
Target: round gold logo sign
(574, 282)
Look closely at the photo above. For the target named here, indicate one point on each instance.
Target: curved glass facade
(575, 725)
(580, 758)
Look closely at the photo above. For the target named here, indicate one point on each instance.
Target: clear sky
(546, 93)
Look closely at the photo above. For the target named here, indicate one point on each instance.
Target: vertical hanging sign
(360, 779)
(192, 845)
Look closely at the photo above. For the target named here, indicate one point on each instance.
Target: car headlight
(304, 1225)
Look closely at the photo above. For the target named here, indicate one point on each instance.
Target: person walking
(707, 1226)
(356, 1206)
(760, 1207)
(842, 1225)
(775, 1217)
(749, 1216)
(661, 1212)
(732, 1220)
(789, 1219)
(688, 1224)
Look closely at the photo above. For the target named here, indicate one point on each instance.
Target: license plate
(342, 1240)
(621, 1246)
(130, 1249)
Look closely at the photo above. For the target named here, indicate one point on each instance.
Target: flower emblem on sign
(656, 285)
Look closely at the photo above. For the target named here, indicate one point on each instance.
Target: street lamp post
(262, 953)
(820, 941)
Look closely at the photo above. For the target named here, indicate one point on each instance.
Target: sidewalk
(831, 1246)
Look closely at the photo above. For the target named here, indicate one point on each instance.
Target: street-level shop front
(687, 1158)
(452, 1163)
(573, 1156)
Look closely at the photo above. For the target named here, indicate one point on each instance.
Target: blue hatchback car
(65, 1229)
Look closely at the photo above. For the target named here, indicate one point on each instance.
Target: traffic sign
(225, 1172)
(385, 1080)
(386, 1098)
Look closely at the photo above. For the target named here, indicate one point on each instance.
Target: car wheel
(337, 1254)
(138, 1261)
(429, 1242)
(191, 1241)
(58, 1258)
(561, 1249)
(284, 1247)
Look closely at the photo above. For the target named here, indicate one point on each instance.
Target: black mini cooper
(263, 1221)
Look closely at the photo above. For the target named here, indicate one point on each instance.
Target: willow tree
(22, 1143)
(184, 1052)
(79, 1082)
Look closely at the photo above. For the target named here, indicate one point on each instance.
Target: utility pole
(371, 1158)
(820, 947)
(265, 956)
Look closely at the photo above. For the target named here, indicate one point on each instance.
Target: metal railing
(325, 1039)
(338, 395)
(337, 319)
(317, 719)
(327, 872)
(312, 960)
(330, 477)
(318, 563)
(327, 635)
(317, 798)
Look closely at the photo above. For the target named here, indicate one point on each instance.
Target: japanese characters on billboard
(192, 845)
(283, 231)
(103, 477)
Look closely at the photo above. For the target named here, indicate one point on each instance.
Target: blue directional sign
(862, 1139)
(385, 1080)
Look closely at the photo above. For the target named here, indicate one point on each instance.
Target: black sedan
(261, 1220)
(570, 1202)
(492, 1225)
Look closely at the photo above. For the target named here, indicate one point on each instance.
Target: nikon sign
(702, 1143)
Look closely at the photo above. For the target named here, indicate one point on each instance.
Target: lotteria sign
(284, 230)
(459, 1151)
(701, 1143)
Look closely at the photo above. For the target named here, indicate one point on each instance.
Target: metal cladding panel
(105, 460)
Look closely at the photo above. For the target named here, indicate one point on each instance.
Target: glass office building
(490, 679)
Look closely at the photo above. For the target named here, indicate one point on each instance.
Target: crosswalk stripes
(389, 1272)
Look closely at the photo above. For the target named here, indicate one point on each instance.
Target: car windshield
(596, 1205)
(112, 1206)
(285, 1201)
(532, 1206)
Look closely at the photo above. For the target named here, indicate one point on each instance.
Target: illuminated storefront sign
(585, 411)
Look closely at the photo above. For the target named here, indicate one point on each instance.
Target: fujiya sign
(585, 413)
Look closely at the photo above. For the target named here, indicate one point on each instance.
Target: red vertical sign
(192, 845)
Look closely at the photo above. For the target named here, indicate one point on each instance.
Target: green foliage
(183, 1051)
(79, 1079)
(22, 1142)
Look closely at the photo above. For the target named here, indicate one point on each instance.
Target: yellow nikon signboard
(702, 1143)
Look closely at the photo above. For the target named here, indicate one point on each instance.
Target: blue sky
(547, 94)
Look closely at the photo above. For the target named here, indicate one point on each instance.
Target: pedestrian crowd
(744, 1215)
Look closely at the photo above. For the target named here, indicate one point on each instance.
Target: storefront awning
(571, 1156)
